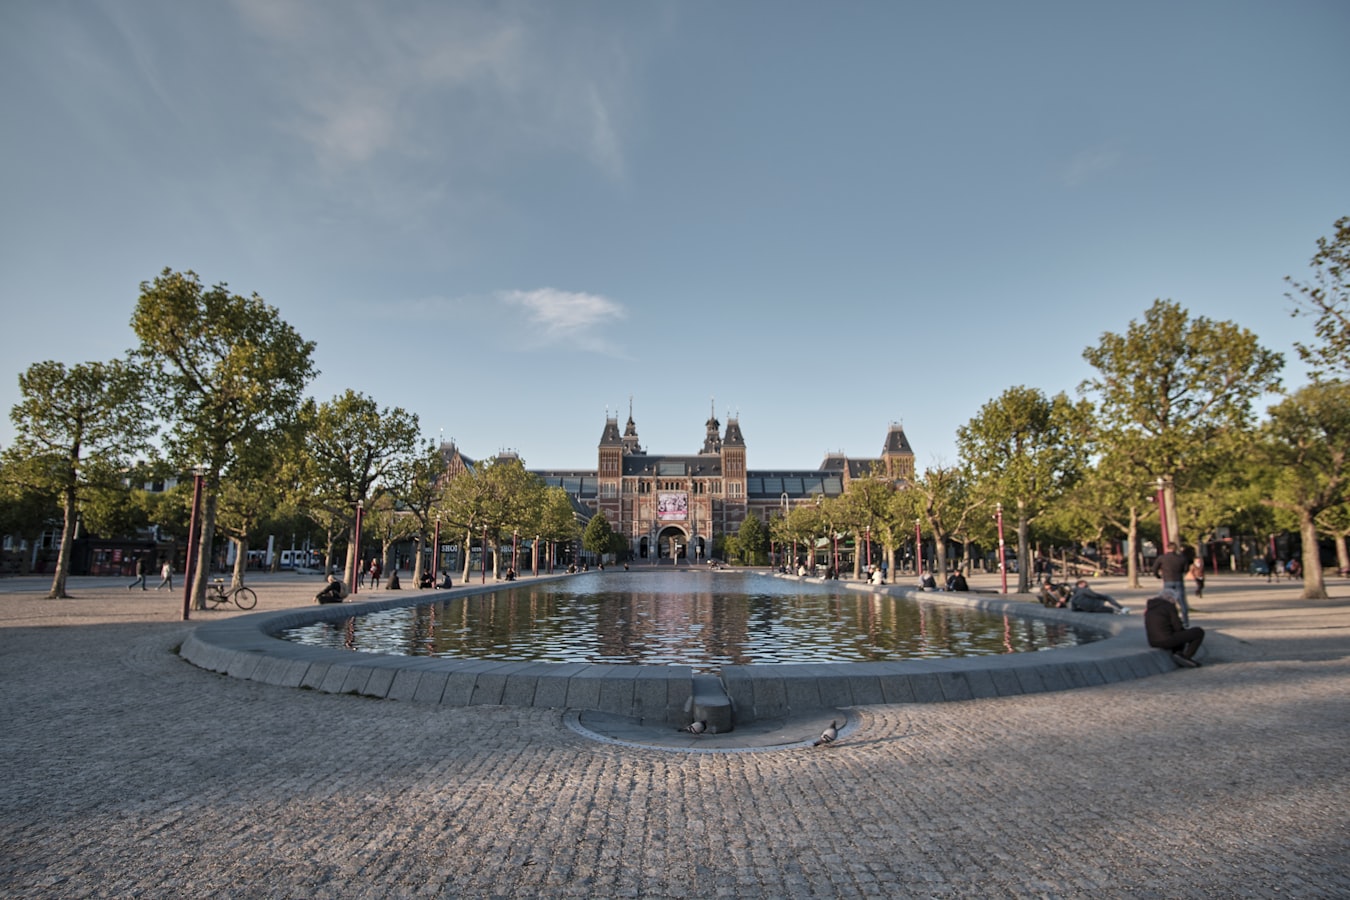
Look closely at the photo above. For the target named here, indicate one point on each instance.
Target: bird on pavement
(828, 735)
(696, 727)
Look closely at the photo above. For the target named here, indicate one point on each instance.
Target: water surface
(701, 619)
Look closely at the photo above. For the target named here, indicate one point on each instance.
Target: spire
(630, 435)
(712, 441)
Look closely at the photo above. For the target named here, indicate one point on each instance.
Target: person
(393, 584)
(445, 581)
(376, 568)
(927, 582)
(1198, 576)
(361, 569)
(876, 576)
(1085, 599)
(331, 593)
(1171, 568)
(1163, 625)
(1053, 595)
(510, 573)
(140, 574)
(957, 582)
(165, 575)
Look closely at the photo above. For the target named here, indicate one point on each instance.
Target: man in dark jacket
(1162, 623)
(1172, 568)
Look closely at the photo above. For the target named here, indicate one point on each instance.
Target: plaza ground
(129, 772)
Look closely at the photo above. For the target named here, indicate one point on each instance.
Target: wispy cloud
(567, 319)
(541, 319)
(444, 84)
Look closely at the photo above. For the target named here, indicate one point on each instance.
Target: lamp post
(194, 536)
(515, 542)
(1162, 515)
(918, 549)
(484, 554)
(436, 552)
(356, 546)
(1002, 563)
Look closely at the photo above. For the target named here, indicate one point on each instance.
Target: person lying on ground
(1085, 599)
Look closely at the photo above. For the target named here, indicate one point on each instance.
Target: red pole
(194, 535)
(1002, 560)
(436, 553)
(484, 554)
(918, 549)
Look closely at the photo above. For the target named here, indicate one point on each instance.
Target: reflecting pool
(705, 620)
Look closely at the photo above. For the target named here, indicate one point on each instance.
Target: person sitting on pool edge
(1055, 596)
(1162, 624)
(332, 592)
(1085, 599)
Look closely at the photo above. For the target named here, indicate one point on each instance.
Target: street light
(436, 552)
(1162, 513)
(1002, 563)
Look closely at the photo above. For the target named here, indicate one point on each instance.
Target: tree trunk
(207, 538)
(468, 556)
(240, 560)
(940, 558)
(58, 591)
(1170, 510)
(1342, 557)
(418, 562)
(1314, 588)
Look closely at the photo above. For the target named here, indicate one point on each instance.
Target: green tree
(598, 537)
(1327, 298)
(353, 449)
(557, 522)
(947, 503)
(1024, 450)
(752, 540)
(416, 486)
(1172, 391)
(226, 369)
(77, 430)
(1308, 445)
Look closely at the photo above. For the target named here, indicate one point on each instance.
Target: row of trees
(225, 377)
(1172, 403)
(1162, 437)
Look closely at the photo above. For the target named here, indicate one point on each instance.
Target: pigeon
(696, 727)
(828, 735)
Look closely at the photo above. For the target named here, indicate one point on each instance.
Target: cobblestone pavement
(128, 772)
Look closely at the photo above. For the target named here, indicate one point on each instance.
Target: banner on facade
(672, 507)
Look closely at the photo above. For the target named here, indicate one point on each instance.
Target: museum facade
(673, 505)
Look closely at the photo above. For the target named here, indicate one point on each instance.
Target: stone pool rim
(249, 647)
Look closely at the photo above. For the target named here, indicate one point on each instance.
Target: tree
(1308, 444)
(416, 487)
(598, 537)
(226, 368)
(557, 522)
(1172, 389)
(77, 429)
(1327, 298)
(352, 447)
(1024, 450)
(944, 499)
(752, 540)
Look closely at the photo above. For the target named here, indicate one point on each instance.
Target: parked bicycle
(218, 593)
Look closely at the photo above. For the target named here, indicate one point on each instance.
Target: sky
(515, 218)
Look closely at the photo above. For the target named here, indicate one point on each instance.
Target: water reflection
(698, 619)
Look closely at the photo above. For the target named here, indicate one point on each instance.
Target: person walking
(1171, 567)
(165, 575)
(140, 574)
(1198, 576)
(375, 571)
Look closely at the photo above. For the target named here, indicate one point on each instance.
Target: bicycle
(243, 597)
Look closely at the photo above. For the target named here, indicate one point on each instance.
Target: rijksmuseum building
(673, 505)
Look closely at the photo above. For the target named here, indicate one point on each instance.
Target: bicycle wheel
(244, 598)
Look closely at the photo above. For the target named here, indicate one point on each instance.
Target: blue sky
(510, 218)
